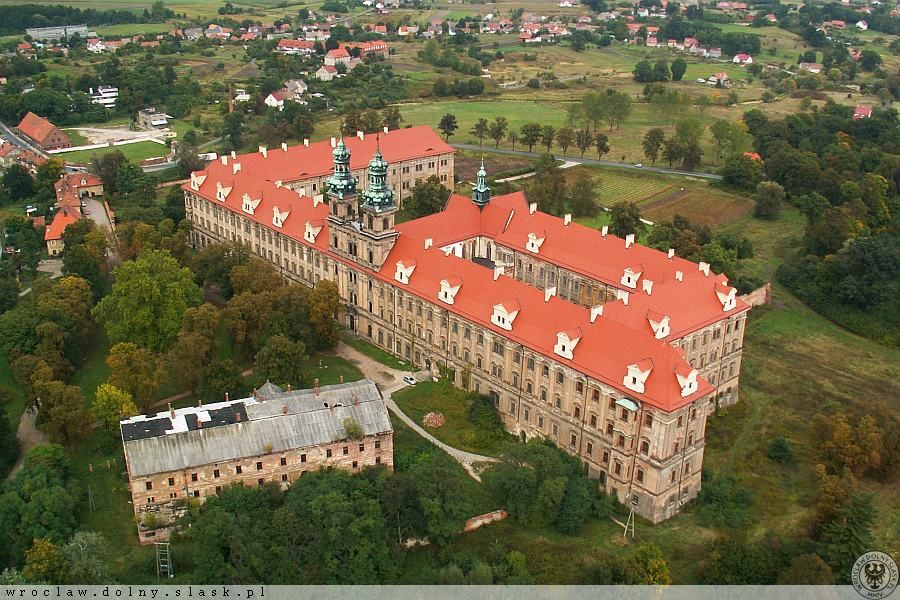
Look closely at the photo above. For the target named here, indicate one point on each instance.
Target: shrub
(780, 450)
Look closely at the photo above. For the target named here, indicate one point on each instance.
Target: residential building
(274, 436)
(742, 59)
(295, 47)
(295, 89)
(42, 133)
(56, 33)
(336, 56)
(326, 73)
(615, 351)
(106, 95)
(275, 100)
(862, 112)
(54, 232)
(811, 67)
(150, 118)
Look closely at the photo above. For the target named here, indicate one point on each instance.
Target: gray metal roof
(287, 421)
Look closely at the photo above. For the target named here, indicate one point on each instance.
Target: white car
(638, 166)
(409, 380)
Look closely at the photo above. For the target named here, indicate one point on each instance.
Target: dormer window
(197, 181)
(505, 313)
(534, 242)
(278, 218)
(636, 377)
(659, 323)
(687, 379)
(449, 288)
(630, 276)
(404, 270)
(249, 204)
(727, 296)
(312, 230)
(566, 342)
(222, 191)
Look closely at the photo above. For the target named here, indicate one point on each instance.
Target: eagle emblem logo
(874, 575)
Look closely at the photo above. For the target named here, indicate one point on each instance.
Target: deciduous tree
(134, 370)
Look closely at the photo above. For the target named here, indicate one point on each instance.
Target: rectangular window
(283, 461)
(362, 447)
(284, 477)
(377, 460)
(238, 470)
(605, 457)
(355, 464)
(259, 466)
(149, 485)
(378, 444)
(303, 458)
(640, 475)
(216, 473)
(346, 450)
(328, 453)
(261, 481)
(193, 477)
(573, 440)
(171, 481)
(590, 449)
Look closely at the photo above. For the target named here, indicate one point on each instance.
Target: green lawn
(329, 369)
(134, 152)
(376, 353)
(93, 370)
(17, 406)
(77, 138)
(419, 400)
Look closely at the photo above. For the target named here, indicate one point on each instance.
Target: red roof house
(44, 134)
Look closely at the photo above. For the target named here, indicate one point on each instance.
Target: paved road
(588, 161)
(52, 266)
(390, 380)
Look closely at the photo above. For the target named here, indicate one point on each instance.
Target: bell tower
(341, 187)
(378, 212)
(481, 193)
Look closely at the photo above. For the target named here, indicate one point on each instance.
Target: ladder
(163, 561)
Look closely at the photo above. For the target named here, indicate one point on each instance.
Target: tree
(233, 128)
(530, 133)
(480, 129)
(107, 167)
(134, 370)
(768, 198)
(650, 561)
(653, 141)
(807, 569)
(643, 72)
(282, 361)
(323, 307)
(79, 260)
(625, 218)
(583, 139)
(391, 117)
(428, 197)
(548, 186)
(17, 182)
(46, 563)
(148, 300)
(187, 158)
(679, 66)
(673, 150)
(618, 107)
(728, 136)
(63, 416)
(547, 134)
(9, 445)
(111, 405)
(779, 450)
(848, 535)
(742, 171)
(582, 196)
(661, 71)
(601, 143)
(9, 292)
(256, 275)
(221, 377)
(512, 137)
(497, 130)
(869, 60)
(565, 137)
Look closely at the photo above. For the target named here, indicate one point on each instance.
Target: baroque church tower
(481, 193)
(362, 224)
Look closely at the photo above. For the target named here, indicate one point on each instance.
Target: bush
(353, 428)
(534, 83)
(724, 502)
(780, 451)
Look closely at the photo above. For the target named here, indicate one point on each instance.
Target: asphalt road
(589, 161)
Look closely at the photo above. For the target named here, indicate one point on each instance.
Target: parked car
(409, 380)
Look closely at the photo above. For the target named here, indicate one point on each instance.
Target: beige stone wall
(283, 467)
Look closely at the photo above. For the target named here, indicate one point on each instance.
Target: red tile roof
(61, 220)
(37, 128)
(301, 162)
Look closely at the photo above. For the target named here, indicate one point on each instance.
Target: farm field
(134, 152)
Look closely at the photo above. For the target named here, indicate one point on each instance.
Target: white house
(862, 25)
(742, 59)
(275, 100)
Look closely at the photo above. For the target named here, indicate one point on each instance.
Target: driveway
(390, 380)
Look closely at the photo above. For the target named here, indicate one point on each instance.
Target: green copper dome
(378, 196)
(342, 182)
(481, 194)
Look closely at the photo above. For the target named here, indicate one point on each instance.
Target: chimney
(171, 411)
(385, 129)
(704, 268)
(648, 286)
(498, 271)
(233, 154)
(316, 386)
(224, 159)
(284, 409)
(671, 253)
(532, 207)
(361, 135)
(567, 218)
(428, 243)
(199, 402)
(306, 142)
(596, 311)
(341, 379)
(226, 397)
(679, 275)
(284, 146)
(237, 417)
(549, 293)
(235, 167)
(333, 142)
(264, 151)
(629, 240)
(317, 200)
(604, 230)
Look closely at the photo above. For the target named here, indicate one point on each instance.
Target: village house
(326, 73)
(811, 67)
(337, 56)
(295, 47)
(862, 25)
(274, 436)
(742, 59)
(42, 133)
(150, 118)
(862, 112)
(615, 351)
(275, 99)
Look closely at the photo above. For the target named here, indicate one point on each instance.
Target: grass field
(442, 397)
(134, 152)
(330, 369)
(77, 138)
(374, 352)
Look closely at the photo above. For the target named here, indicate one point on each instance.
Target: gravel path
(28, 436)
(389, 380)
